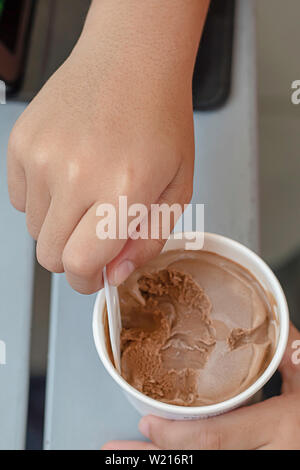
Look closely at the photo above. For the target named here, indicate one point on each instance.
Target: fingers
(16, 183)
(138, 252)
(85, 255)
(16, 178)
(286, 429)
(37, 205)
(290, 365)
(129, 445)
(62, 218)
(246, 428)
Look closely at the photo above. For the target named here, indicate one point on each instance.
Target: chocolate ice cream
(197, 328)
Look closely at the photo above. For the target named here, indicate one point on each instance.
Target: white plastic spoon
(114, 320)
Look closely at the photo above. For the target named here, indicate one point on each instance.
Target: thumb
(290, 365)
(139, 251)
(135, 254)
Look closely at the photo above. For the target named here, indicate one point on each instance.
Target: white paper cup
(240, 254)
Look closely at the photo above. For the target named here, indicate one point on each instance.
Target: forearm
(160, 34)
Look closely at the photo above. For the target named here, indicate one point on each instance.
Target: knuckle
(16, 142)
(155, 247)
(17, 202)
(187, 189)
(126, 179)
(77, 264)
(48, 260)
(40, 155)
(33, 229)
(33, 223)
(75, 173)
(132, 177)
(187, 193)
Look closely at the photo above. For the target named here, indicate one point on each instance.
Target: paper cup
(240, 254)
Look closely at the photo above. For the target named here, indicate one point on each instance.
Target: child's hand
(272, 424)
(115, 119)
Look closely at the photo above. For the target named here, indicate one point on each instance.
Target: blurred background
(53, 34)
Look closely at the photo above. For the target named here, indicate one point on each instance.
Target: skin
(273, 424)
(115, 119)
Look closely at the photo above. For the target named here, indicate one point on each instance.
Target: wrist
(151, 34)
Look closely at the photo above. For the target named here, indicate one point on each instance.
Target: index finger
(85, 254)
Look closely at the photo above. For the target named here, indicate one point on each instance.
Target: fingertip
(135, 253)
(121, 272)
(148, 423)
(48, 260)
(144, 426)
(84, 286)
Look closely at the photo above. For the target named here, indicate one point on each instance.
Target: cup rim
(233, 402)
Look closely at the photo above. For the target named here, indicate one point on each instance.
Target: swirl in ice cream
(197, 328)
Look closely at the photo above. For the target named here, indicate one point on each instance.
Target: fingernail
(122, 272)
(144, 427)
